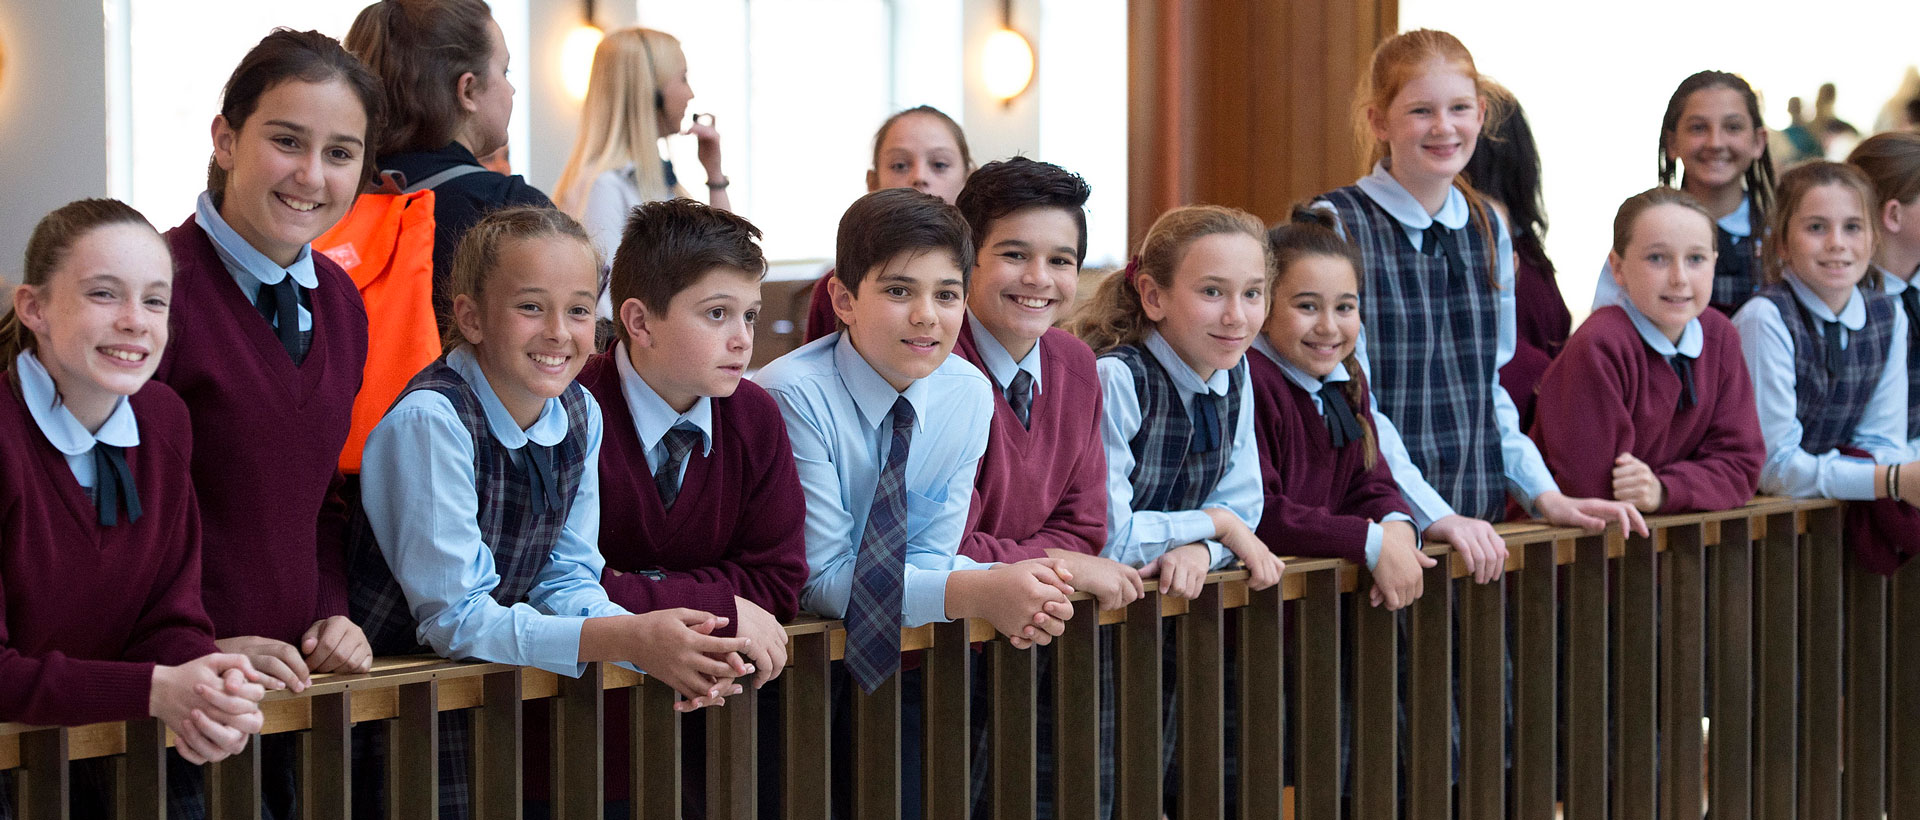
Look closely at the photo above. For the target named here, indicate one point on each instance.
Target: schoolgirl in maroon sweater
(1327, 492)
(1650, 402)
(100, 615)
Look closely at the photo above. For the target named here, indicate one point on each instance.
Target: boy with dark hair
(888, 431)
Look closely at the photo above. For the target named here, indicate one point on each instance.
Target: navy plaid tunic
(520, 541)
(1736, 270)
(1830, 409)
(1167, 475)
(1432, 337)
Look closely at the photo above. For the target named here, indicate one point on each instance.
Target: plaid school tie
(113, 484)
(873, 608)
(1020, 396)
(280, 303)
(680, 442)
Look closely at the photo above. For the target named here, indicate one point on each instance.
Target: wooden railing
(1578, 683)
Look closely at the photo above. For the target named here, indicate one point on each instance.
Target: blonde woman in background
(637, 94)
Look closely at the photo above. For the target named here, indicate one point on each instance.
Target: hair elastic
(1133, 269)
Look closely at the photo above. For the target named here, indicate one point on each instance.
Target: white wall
(53, 115)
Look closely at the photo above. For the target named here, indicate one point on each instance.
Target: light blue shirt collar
(652, 416)
(1893, 285)
(1184, 376)
(65, 432)
(870, 391)
(248, 265)
(1301, 378)
(1394, 198)
(548, 429)
(1692, 339)
(1853, 317)
(1000, 364)
(1740, 222)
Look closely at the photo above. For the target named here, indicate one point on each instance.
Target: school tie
(546, 488)
(873, 606)
(280, 303)
(1910, 299)
(1683, 367)
(1020, 396)
(1206, 423)
(680, 441)
(1440, 240)
(1341, 424)
(1836, 358)
(113, 485)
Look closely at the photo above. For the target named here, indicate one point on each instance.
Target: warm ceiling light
(1008, 64)
(576, 59)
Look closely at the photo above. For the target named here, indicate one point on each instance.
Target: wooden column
(1247, 103)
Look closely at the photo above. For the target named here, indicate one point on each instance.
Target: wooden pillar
(1247, 103)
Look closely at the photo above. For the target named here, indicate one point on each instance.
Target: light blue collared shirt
(1136, 538)
(1312, 384)
(250, 268)
(837, 408)
(999, 361)
(420, 496)
(1692, 338)
(1607, 292)
(1767, 346)
(65, 432)
(653, 417)
(1526, 471)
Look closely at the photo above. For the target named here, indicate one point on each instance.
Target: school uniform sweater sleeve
(1790, 470)
(1136, 538)
(330, 543)
(420, 499)
(56, 689)
(1584, 415)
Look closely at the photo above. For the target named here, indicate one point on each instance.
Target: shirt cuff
(552, 643)
(924, 599)
(1374, 536)
(1187, 527)
(1852, 479)
(1220, 555)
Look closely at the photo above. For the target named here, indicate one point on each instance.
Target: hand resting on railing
(212, 703)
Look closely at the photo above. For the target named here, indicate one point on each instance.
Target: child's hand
(1399, 576)
(676, 647)
(1910, 483)
(335, 644)
(1590, 514)
(708, 140)
(1478, 543)
(209, 705)
(1635, 483)
(278, 660)
(1110, 582)
(1181, 570)
(769, 649)
(1263, 567)
(1026, 601)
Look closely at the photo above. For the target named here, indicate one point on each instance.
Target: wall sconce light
(576, 55)
(1007, 59)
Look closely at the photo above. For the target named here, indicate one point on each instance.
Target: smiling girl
(1440, 321)
(1825, 347)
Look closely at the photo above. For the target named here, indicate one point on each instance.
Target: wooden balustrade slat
(733, 745)
(1011, 722)
(1260, 649)
(413, 752)
(497, 743)
(1430, 703)
(876, 750)
(45, 783)
(1201, 717)
(579, 726)
(1317, 696)
(1821, 639)
(142, 793)
(1683, 613)
(1585, 751)
(947, 739)
(1777, 660)
(805, 695)
(1903, 696)
(1137, 766)
(1536, 638)
(1635, 681)
(655, 741)
(1864, 788)
(1076, 715)
(1483, 698)
(233, 785)
(1730, 742)
(1375, 767)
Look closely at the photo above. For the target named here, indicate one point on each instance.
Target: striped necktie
(1020, 397)
(680, 442)
(873, 606)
